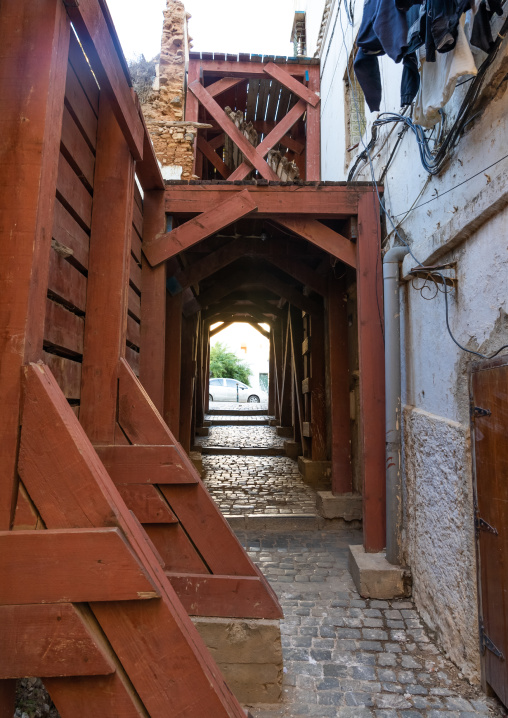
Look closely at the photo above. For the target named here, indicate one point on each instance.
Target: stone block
(293, 449)
(315, 472)
(248, 653)
(202, 431)
(197, 460)
(374, 576)
(285, 431)
(345, 506)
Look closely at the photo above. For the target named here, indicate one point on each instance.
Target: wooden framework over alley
(109, 294)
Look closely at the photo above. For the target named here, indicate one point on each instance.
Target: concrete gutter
(391, 271)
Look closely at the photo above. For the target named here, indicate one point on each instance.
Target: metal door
(489, 412)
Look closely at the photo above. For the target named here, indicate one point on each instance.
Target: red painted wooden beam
(213, 157)
(322, 236)
(280, 74)
(197, 229)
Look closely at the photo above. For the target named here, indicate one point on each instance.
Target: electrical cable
(473, 91)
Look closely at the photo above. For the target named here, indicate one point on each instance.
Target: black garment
(366, 69)
(410, 82)
(481, 35)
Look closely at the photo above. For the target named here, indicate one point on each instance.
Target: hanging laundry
(383, 30)
(481, 35)
(438, 79)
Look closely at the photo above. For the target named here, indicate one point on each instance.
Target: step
(236, 412)
(231, 421)
(283, 522)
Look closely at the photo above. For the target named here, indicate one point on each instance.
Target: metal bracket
(482, 525)
(477, 411)
(487, 644)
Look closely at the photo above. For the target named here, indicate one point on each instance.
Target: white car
(234, 390)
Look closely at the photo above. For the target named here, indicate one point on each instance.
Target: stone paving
(244, 485)
(348, 657)
(217, 419)
(242, 437)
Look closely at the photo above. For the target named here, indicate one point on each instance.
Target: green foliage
(224, 363)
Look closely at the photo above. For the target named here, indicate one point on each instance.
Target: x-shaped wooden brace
(255, 155)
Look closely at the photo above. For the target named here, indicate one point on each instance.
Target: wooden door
(489, 413)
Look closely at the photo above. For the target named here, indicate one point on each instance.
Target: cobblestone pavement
(264, 437)
(347, 657)
(240, 406)
(243, 485)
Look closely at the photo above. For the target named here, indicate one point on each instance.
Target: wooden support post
(271, 375)
(342, 479)
(295, 318)
(285, 394)
(371, 364)
(200, 410)
(33, 67)
(173, 362)
(313, 144)
(108, 279)
(277, 351)
(318, 392)
(153, 304)
(187, 380)
(192, 114)
(7, 698)
(206, 385)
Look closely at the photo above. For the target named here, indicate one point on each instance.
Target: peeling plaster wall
(468, 226)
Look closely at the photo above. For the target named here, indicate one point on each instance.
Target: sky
(219, 26)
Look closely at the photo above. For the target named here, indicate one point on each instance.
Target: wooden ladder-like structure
(108, 538)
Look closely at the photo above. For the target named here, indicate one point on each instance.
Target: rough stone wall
(173, 139)
(440, 542)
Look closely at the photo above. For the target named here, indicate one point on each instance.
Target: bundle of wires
(434, 161)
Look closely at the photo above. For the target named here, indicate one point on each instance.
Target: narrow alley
(344, 656)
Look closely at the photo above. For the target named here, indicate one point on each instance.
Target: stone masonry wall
(173, 139)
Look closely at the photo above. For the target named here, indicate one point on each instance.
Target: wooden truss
(287, 92)
(99, 503)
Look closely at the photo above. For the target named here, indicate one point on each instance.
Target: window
(216, 382)
(231, 382)
(354, 107)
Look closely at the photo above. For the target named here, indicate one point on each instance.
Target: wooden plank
(105, 331)
(197, 229)
(149, 464)
(49, 640)
(285, 78)
(176, 549)
(70, 566)
(322, 236)
(153, 298)
(173, 670)
(135, 274)
(224, 596)
(214, 158)
(67, 374)
(137, 218)
(245, 67)
(93, 31)
(173, 362)
(133, 332)
(134, 304)
(148, 171)
(338, 363)
(187, 379)
(296, 337)
(66, 283)
(76, 150)
(306, 386)
(322, 202)
(225, 83)
(146, 503)
(313, 130)
(63, 330)
(318, 389)
(68, 233)
(83, 73)
(371, 368)
(102, 696)
(272, 138)
(73, 194)
(136, 245)
(252, 98)
(80, 109)
(307, 429)
(232, 131)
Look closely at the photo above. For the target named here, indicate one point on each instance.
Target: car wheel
(253, 399)
(210, 397)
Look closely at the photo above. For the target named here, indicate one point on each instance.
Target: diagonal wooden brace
(232, 131)
(199, 228)
(298, 88)
(320, 235)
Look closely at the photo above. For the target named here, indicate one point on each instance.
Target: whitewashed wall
(469, 225)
